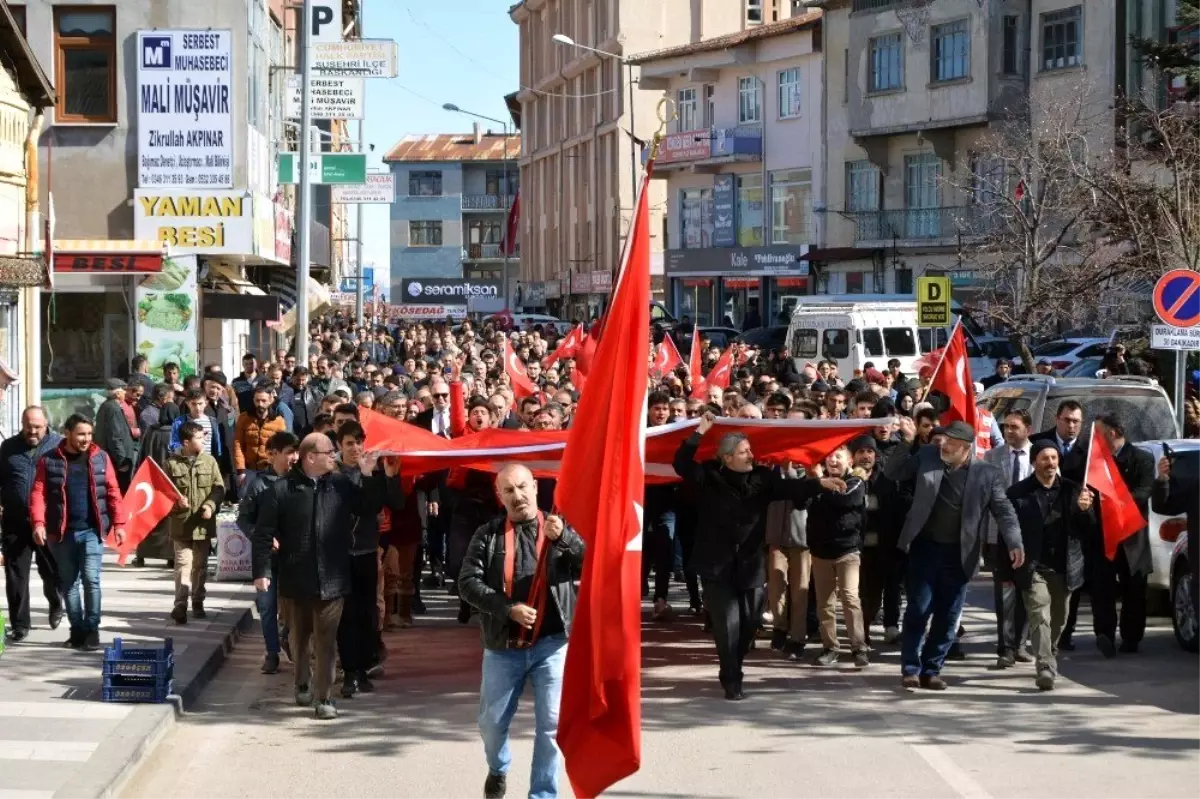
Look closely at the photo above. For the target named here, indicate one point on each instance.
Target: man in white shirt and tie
(437, 417)
(1015, 462)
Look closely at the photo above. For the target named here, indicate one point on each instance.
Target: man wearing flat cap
(953, 496)
(113, 433)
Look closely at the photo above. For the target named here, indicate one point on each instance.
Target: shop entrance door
(743, 302)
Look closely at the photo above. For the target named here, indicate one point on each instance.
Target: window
(750, 210)
(85, 64)
(493, 182)
(424, 184)
(899, 341)
(951, 51)
(789, 93)
(749, 101)
(863, 180)
(696, 218)
(1010, 59)
(754, 11)
(804, 343)
(835, 343)
(872, 342)
(791, 206)
(904, 280)
(856, 282)
(922, 176)
(18, 15)
(686, 108)
(887, 71)
(1061, 38)
(259, 78)
(710, 106)
(425, 234)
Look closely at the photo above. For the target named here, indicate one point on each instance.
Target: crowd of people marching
(889, 528)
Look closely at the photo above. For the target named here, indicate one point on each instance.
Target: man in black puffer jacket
(730, 552)
(311, 512)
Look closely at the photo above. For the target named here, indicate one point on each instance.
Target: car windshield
(1145, 414)
(1086, 367)
(1056, 348)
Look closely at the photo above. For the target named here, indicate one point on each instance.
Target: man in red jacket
(74, 502)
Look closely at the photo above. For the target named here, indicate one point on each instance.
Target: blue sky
(451, 51)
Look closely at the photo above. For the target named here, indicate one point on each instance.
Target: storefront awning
(227, 295)
(108, 256)
(22, 271)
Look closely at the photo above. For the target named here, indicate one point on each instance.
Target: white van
(855, 329)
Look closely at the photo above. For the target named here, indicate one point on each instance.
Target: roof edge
(30, 76)
(806, 21)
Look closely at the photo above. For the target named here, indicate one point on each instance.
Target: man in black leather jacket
(519, 572)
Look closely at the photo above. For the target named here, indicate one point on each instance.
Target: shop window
(872, 342)
(696, 218)
(804, 343)
(87, 338)
(750, 210)
(835, 343)
(899, 341)
(85, 64)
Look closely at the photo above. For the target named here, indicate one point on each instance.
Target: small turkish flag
(566, 348)
(695, 367)
(1120, 516)
(722, 370)
(667, 357)
(952, 377)
(522, 386)
(151, 496)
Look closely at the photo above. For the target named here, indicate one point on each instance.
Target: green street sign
(326, 168)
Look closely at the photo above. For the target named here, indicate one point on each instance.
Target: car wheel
(1183, 609)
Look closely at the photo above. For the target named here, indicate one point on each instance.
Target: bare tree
(1041, 234)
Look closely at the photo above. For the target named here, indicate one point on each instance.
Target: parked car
(1165, 531)
(1084, 367)
(526, 321)
(1063, 353)
(720, 337)
(765, 338)
(1183, 602)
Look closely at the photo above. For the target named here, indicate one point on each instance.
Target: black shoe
(1106, 646)
(734, 693)
(495, 786)
(794, 650)
(778, 640)
(75, 641)
(433, 580)
(171, 564)
(861, 659)
(956, 652)
(91, 641)
(365, 685)
(138, 561)
(464, 612)
(17, 635)
(349, 688)
(56, 617)
(679, 576)
(1128, 647)
(198, 611)
(1006, 661)
(270, 664)
(418, 606)
(1066, 644)
(696, 606)
(179, 614)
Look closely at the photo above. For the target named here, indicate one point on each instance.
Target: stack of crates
(138, 674)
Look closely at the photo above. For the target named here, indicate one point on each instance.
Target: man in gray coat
(943, 533)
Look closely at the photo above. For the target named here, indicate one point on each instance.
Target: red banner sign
(108, 263)
(689, 145)
(741, 282)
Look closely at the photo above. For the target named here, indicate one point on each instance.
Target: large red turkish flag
(722, 371)
(695, 367)
(150, 497)
(1120, 516)
(522, 386)
(952, 377)
(600, 487)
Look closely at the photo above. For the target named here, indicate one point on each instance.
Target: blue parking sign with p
(156, 52)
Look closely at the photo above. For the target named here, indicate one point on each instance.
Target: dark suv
(1140, 403)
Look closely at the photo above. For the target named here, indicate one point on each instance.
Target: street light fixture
(504, 124)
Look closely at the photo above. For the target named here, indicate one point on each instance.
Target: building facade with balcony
(453, 196)
(742, 165)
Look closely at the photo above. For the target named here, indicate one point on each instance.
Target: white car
(1065, 352)
(1165, 531)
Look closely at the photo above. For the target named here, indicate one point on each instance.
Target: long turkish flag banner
(150, 497)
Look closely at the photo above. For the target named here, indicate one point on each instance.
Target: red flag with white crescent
(667, 357)
(151, 496)
(522, 386)
(952, 377)
(722, 371)
(1120, 516)
(566, 348)
(695, 367)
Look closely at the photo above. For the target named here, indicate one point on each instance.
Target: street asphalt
(1121, 728)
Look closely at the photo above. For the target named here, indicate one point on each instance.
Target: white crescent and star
(146, 489)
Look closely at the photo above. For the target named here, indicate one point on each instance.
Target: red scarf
(537, 589)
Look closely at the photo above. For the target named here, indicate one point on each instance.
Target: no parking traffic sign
(1177, 298)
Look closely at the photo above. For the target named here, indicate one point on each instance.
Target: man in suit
(943, 535)
(436, 419)
(1055, 515)
(1015, 462)
(1068, 425)
(1126, 576)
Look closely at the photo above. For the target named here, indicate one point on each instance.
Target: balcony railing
(920, 223)
(486, 202)
(477, 252)
(873, 5)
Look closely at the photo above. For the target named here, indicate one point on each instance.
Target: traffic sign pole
(304, 200)
(358, 224)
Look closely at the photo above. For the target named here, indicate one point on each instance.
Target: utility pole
(304, 199)
(358, 225)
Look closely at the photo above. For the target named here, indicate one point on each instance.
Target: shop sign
(378, 190)
(329, 98)
(201, 222)
(165, 325)
(740, 283)
(102, 263)
(689, 145)
(362, 58)
(553, 289)
(792, 282)
(450, 291)
(698, 283)
(581, 282)
(724, 222)
(413, 311)
(283, 233)
(185, 108)
(601, 282)
(778, 259)
(534, 294)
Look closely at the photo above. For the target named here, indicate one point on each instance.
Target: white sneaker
(326, 711)
(768, 618)
(891, 635)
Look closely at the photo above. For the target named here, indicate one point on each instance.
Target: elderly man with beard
(520, 573)
(943, 535)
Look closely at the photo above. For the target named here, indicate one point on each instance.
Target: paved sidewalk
(56, 737)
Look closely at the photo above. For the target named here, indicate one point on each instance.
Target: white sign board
(326, 20)
(1165, 337)
(185, 109)
(330, 98)
(364, 58)
(378, 190)
(418, 312)
(195, 222)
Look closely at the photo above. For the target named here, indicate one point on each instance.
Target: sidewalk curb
(117, 758)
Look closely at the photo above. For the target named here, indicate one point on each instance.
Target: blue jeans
(937, 587)
(78, 556)
(267, 603)
(504, 674)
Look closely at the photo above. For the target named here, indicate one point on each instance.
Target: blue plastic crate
(137, 689)
(156, 662)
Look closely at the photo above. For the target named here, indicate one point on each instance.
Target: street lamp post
(504, 194)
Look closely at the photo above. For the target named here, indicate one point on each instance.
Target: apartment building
(584, 124)
(740, 163)
(448, 219)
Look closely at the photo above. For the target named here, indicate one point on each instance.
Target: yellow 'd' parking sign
(933, 302)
